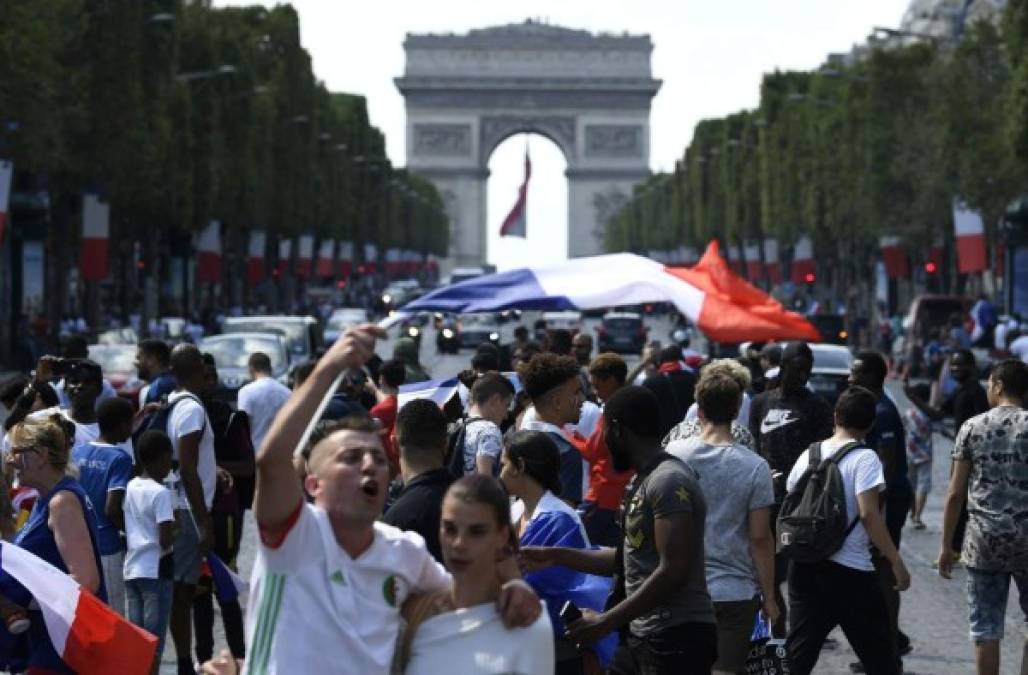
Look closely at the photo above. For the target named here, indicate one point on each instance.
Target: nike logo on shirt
(776, 419)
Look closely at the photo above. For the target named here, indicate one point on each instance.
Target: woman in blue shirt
(61, 528)
(530, 470)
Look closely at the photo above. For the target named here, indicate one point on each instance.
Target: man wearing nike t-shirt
(784, 422)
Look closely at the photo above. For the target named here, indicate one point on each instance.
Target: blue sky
(710, 55)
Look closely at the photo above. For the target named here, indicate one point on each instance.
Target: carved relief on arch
(442, 140)
(559, 129)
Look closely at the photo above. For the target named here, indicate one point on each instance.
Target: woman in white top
(460, 631)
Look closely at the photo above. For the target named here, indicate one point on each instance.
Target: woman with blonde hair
(690, 426)
(61, 528)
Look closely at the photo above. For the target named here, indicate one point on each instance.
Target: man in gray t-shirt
(668, 489)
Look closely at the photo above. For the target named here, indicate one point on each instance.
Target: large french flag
(326, 258)
(970, 233)
(772, 262)
(208, 254)
(345, 259)
(6, 179)
(285, 255)
(803, 260)
(724, 306)
(894, 257)
(91, 637)
(96, 231)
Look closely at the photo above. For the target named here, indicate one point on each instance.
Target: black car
(447, 337)
(478, 328)
(622, 332)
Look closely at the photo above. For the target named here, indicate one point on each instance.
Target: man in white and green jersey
(329, 579)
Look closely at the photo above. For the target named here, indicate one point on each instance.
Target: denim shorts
(921, 477)
(987, 594)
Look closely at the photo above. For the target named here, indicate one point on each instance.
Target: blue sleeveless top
(37, 538)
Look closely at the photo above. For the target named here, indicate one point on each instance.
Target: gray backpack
(813, 523)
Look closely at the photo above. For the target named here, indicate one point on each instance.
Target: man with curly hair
(552, 383)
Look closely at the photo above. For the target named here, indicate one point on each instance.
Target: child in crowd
(150, 531)
(919, 455)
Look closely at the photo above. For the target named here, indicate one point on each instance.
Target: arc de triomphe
(590, 94)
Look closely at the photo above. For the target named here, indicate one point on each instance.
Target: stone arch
(590, 94)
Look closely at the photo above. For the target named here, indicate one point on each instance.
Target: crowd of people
(567, 516)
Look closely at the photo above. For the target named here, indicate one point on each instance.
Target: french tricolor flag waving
(91, 637)
(721, 304)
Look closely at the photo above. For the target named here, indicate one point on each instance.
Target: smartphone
(570, 613)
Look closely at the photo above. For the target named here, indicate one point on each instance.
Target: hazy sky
(710, 56)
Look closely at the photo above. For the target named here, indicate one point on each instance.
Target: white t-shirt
(1019, 348)
(147, 504)
(261, 400)
(315, 608)
(474, 641)
(743, 418)
(186, 418)
(861, 471)
(106, 391)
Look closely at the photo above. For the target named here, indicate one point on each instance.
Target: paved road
(933, 612)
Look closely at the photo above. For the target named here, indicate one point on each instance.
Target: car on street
(232, 352)
(398, 293)
(303, 336)
(342, 320)
(622, 332)
(460, 274)
(570, 321)
(118, 363)
(831, 326)
(447, 337)
(830, 374)
(478, 328)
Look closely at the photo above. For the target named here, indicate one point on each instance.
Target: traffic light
(810, 277)
(930, 267)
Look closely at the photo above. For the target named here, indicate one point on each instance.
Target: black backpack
(455, 446)
(157, 420)
(813, 523)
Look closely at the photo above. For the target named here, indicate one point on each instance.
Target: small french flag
(91, 637)
(227, 584)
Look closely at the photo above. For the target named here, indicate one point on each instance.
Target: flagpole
(317, 415)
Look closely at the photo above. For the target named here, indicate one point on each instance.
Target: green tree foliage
(181, 113)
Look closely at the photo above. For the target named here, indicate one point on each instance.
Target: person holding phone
(531, 472)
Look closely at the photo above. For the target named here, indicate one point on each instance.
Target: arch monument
(588, 93)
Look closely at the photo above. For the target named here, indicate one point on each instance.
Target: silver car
(232, 352)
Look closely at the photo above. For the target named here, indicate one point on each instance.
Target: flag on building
(894, 257)
(516, 222)
(326, 258)
(370, 258)
(754, 266)
(803, 267)
(255, 257)
(304, 256)
(96, 230)
(970, 234)
(345, 258)
(285, 255)
(723, 306)
(772, 263)
(392, 261)
(89, 636)
(6, 182)
(208, 254)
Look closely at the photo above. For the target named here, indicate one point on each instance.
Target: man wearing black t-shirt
(785, 421)
(888, 438)
(966, 401)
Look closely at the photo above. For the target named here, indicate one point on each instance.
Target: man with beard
(329, 578)
(153, 363)
(784, 422)
(659, 600)
(966, 401)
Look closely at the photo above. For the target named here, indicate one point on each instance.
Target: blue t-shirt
(102, 468)
(160, 387)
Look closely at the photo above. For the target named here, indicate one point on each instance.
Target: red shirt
(385, 412)
(606, 486)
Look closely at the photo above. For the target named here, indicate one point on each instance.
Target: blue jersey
(102, 469)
